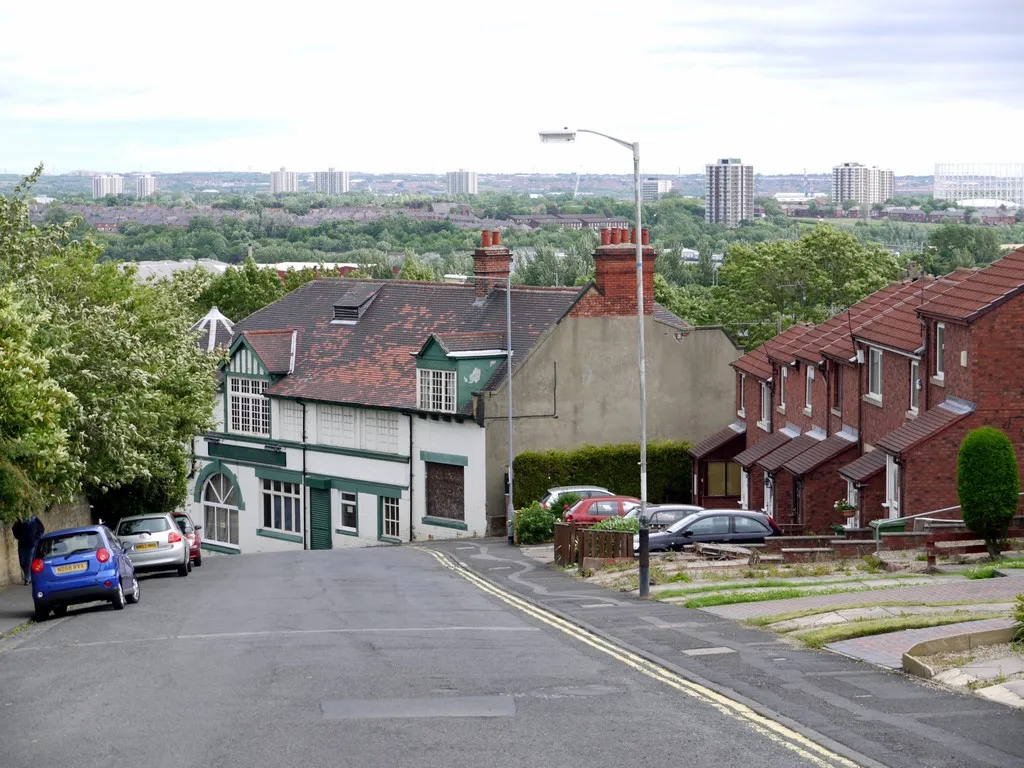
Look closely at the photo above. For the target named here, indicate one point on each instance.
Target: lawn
(816, 638)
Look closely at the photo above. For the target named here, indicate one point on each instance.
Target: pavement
(377, 658)
(883, 717)
(15, 607)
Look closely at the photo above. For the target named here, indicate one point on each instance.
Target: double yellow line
(776, 732)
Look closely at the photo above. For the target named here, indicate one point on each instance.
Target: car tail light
(103, 555)
(37, 566)
(174, 537)
(191, 538)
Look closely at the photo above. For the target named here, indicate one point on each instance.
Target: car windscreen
(184, 524)
(681, 524)
(142, 525)
(71, 543)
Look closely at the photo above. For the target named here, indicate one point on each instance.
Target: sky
(426, 87)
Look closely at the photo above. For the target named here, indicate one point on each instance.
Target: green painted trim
(441, 522)
(213, 467)
(229, 374)
(397, 458)
(257, 455)
(346, 532)
(241, 342)
(320, 482)
(218, 548)
(270, 534)
(360, 486)
(444, 458)
(284, 475)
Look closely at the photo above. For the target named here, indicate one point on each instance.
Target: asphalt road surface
(374, 657)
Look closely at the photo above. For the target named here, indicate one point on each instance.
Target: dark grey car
(725, 526)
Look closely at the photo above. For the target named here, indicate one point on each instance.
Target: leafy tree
(414, 269)
(980, 244)
(240, 291)
(988, 484)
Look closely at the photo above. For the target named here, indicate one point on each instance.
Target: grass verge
(759, 597)
(761, 584)
(816, 638)
(775, 618)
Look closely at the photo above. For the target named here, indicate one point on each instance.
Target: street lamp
(567, 135)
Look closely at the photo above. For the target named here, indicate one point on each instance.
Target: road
(374, 657)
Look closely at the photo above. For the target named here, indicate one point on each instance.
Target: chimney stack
(615, 276)
(492, 263)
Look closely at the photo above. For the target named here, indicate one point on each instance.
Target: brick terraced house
(871, 406)
(364, 411)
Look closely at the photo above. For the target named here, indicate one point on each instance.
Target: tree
(240, 291)
(988, 484)
(414, 269)
(981, 244)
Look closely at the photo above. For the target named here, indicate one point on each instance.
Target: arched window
(220, 510)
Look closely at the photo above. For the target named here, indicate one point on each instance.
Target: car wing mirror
(198, 527)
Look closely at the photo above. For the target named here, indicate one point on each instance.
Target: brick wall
(755, 500)
(872, 496)
(957, 381)
(615, 281)
(892, 413)
(929, 470)
(820, 404)
(821, 488)
(60, 516)
(851, 400)
(794, 413)
(783, 496)
(994, 359)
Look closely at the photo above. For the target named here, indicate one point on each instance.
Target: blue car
(81, 565)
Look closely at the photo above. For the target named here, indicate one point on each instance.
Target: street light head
(558, 136)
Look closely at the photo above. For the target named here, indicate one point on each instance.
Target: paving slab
(887, 650)
(15, 607)
(987, 670)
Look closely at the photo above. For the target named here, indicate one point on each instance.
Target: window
(892, 486)
(604, 508)
(809, 388)
(766, 406)
(782, 388)
(349, 512)
(220, 510)
(742, 410)
(53, 546)
(291, 421)
(336, 426)
(390, 517)
(837, 387)
(437, 390)
(282, 506)
(875, 373)
(915, 392)
(744, 489)
(143, 525)
(940, 351)
(446, 496)
(723, 478)
(711, 526)
(748, 525)
(380, 431)
(249, 408)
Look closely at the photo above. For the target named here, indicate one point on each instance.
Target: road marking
(597, 605)
(709, 651)
(437, 706)
(776, 732)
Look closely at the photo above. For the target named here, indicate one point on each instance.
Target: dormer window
(436, 390)
(248, 407)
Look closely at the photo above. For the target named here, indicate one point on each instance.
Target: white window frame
(892, 487)
(915, 393)
(219, 507)
(290, 495)
(940, 351)
(435, 390)
(391, 517)
(248, 406)
(874, 366)
(766, 407)
(853, 497)
(783, 381)
(744, 489)
(809, 390)
(348, 500)
(742, 410)
(290, 426)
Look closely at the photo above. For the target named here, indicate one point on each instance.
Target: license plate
(147, 545)
(71, 568)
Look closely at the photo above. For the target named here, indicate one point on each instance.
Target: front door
(319, 518)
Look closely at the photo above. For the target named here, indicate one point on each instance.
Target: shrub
(618, 524)
(988, 484)
(981, 572)
(562, 503)
(872, 564)
(1018, 616)
(615, 467)
(534, 524)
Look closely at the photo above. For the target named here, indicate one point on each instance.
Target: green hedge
(988, 484)
(615, 467)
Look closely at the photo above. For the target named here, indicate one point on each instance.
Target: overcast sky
(393, 85)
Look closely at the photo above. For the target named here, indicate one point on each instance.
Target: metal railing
(896, 522)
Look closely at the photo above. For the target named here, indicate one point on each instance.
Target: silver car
(154, 543)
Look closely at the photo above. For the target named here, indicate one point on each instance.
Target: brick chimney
(615, 276)
(492, 263)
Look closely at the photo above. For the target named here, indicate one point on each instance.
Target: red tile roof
(766, 446)
(867, 466)
(756, 361)
(839, 344)
(981, 291)
(898, 326)
(719, 439)
(816, 455)
(274, 348)
(927, 425)
(773, 461)
(472, 341)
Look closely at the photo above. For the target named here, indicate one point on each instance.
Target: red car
(600, 507)
(191, 533)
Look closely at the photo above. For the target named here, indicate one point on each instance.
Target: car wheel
(136, 592)
(190, 565)
(199, 562)
(41, 614)
(118, 602)
(183, 569)
(60, 610)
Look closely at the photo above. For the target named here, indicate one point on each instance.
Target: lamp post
(510, 512)
(566, 135)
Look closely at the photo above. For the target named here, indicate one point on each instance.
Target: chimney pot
(606, 236)
(632, 236)
(645, 238)
(496, 238)
(485, 239)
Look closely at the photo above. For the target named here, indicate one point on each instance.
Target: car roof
(79, 529)
(150, 516)
(670, 507)
(563, 488)
(596, 499)
(745, 512)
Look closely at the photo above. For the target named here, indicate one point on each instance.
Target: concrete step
(807, 554)
(850, 549)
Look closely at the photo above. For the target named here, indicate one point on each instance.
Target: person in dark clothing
(27, 533)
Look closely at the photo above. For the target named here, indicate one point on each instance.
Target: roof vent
(353, 304)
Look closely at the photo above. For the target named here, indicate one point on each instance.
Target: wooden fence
(567, 545)
(606, 545)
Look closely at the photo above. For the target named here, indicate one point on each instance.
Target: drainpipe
(305, 491)
(410, 479)
(860, 404)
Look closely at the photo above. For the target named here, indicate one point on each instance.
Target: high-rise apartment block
(860, 184)
(283, 181)
(729, 192)
(145, 185)
(461, 182)
(107, 184)
(331, 182)
(654, 189)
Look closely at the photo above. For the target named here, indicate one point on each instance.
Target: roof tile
(790, 450)
(766, 446)
(924, 427)
(274, 348)
(867, 466)
(735, 431)
(981, 291)
(817, 455)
